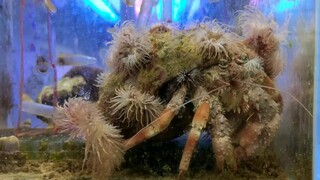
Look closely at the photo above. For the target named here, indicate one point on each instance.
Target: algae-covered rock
(9, 144)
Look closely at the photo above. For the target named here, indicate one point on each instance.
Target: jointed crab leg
(221, 143)
(161, 122)
(198, 123)
(260, 128)
(220, 134)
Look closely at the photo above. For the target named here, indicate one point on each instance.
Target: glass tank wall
(195, 89)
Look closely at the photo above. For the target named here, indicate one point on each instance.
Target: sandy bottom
(137, 166)
(52, 157)
(71, 170)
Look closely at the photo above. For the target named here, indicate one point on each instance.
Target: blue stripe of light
(285, 5)
(104, 9)
(194, 7)
(178, 8)
(159, 9)
(116, 4)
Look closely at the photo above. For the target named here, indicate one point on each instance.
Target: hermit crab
(163, 80)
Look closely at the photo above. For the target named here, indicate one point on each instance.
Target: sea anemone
(134, 107)
(190, 78)
(212, 47)
(265, 36)
(130, 49)
(211, 38)
(253, 66)
(100, 79)
(251, 21)
(103, 142)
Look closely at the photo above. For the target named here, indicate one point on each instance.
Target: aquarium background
(316, 128)
(83, 26)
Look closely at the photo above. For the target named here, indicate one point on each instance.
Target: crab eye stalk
(223, 63)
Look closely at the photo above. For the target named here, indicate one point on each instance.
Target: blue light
(159, 9)
(116, 4)
(103, 8)
(284, 5)
(195, 6)
(178, 8)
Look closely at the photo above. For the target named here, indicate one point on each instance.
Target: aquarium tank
(159, 89)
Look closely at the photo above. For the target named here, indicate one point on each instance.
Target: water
(151, 79)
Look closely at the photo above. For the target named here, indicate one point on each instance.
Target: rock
(9, 144)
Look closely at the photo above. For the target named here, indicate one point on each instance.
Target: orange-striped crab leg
(161, 123)
(198, 123)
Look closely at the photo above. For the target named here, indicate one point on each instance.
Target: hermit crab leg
(161, 123)
(260, 129)
(198, 123)
(221, 143)
(220, 135)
